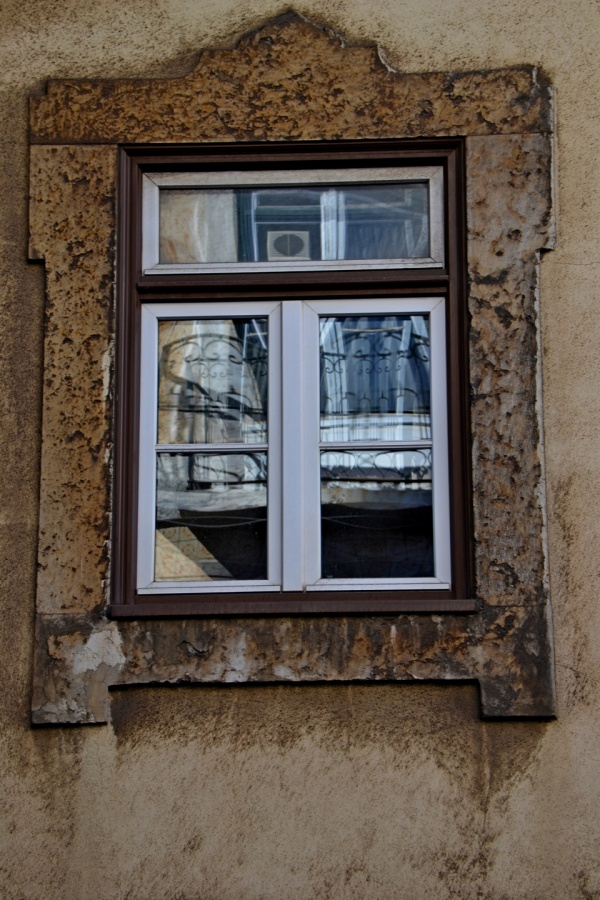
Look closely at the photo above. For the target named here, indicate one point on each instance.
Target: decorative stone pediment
(292, 80)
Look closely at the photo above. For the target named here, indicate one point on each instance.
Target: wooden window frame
(137, 288)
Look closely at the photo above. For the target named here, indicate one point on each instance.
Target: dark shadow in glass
(376, 514)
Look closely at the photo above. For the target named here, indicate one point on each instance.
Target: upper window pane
(375, 381)
(212, 381)
(292, 224)
(305, 219)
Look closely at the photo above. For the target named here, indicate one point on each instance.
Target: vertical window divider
(292, 439)
(147, 464)
(312, 451)
(439, 437)
(275, 450)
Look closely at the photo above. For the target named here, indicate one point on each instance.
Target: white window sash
(435, 308)
(293, 462)
(152, 314)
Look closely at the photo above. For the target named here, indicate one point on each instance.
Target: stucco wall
(379, 791)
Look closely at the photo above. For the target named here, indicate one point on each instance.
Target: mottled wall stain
(414, 727)
(440, 720)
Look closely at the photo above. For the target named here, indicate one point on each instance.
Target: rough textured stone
(509, 209)
(81, 659)
(74, 189)
(282, 82)
(290, 80)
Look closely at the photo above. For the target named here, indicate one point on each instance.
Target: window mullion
(292, 440)
(312, 453)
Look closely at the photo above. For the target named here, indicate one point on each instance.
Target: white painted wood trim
(380, 584)
(441, 450)
(277, 177)
(150, 223)
(312, 460)
(292, 438)
(293, 479)
(147, 456)
(435, 307)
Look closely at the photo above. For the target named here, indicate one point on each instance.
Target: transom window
(292, 428)
(387, 217)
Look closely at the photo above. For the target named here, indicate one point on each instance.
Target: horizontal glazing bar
(209, 448)
(375, 445)
(426, 262)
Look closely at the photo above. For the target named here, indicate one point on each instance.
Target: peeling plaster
(101, 648)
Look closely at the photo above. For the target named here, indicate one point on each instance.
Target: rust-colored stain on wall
(291, 80)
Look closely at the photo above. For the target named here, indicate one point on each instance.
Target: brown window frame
(136, 288)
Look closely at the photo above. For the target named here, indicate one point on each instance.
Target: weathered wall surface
(329, 791)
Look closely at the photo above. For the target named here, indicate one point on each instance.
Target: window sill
(369, 603)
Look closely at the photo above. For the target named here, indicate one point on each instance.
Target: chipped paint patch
(101, 648)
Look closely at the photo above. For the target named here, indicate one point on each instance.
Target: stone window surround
(292, 81)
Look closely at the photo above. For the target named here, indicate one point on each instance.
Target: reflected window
(279, 225)
(376, 505)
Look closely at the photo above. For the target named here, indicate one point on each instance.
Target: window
(87, 204)
(292, 429)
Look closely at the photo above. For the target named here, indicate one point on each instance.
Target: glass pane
(211, 517)
(198, 226)
(212, 383)
(387, 222)
(280, 225)
(376, 514)
(375, 378)
(284, 224)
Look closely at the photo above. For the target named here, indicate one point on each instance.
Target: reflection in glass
(376, 514)
(197, 226)
(283, 224)
(211, 517)
(375, 378)
(212, 385)
(386, 222)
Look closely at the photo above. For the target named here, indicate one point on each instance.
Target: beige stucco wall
(325, 792)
